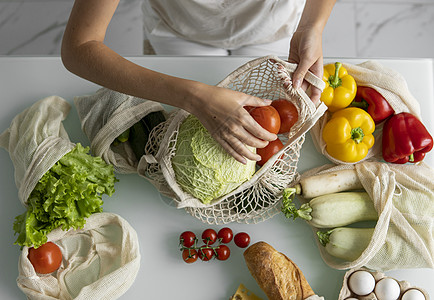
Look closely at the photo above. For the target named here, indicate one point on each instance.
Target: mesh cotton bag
(390, 84)
(403, 196)
(100, 261)
(104, 115)
(36, 140)
(254, 200)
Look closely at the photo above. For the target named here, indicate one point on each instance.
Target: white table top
(163, 274)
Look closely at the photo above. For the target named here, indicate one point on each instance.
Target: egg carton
(404, 286)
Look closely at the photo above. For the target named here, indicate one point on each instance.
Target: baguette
(277, 275)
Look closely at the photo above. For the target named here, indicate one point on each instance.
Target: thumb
(255, 101)
(300, 73)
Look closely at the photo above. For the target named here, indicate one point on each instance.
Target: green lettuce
(202, 167)
(65, 196)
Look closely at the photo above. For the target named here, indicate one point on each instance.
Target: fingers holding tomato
(266, 116)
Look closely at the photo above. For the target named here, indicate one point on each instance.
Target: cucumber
(138, 138)
(123, 137)
(332, 210)
(346, 243)
(139, 132)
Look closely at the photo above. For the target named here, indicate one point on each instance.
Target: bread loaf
(277, 275)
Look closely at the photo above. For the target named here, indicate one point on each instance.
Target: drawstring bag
(104, 116)
(390, 84)
(403, 196)
(36, 140)
(100, 261)
(256, 199)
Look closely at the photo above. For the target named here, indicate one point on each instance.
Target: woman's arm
(220, 110)
(306, 43)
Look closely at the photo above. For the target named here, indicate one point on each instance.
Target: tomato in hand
(222, 252)
(187, 239)
(46, 258)
(189, 255)
(268, 151)
(225, 235)
(266, 116)
(287, 112)
(209, 236)
(242, 239)
(205, 253)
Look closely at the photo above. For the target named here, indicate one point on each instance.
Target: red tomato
(268, 151)
(187, 239)
(222, 252)
(242, 239)
(46, 258)
(205, 253)
(189, 255)
(288, 114)
(225, 235)
(209, 236)
(266, 116)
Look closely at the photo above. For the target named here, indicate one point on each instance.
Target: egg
(387, 289)
(413, 294)
(361, 283)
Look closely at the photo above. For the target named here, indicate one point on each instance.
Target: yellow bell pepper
(348, 134)
(340, 87)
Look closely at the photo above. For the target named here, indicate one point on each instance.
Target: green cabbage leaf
(65, 196)
(202, 167)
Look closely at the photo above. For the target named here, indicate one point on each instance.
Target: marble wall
(356, 28)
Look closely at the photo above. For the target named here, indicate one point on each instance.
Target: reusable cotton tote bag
(403, 196)
(390, 84)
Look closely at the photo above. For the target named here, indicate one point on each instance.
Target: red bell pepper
(373, 102)
(405, 139)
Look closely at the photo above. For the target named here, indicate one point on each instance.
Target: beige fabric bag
(100, 261)
(36, 140)
(255, 200)
(104, 115)
(403, 196)
(390, 84)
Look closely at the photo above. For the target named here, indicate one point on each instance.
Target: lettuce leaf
(65, 196)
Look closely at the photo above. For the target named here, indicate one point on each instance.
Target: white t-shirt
(227, 24)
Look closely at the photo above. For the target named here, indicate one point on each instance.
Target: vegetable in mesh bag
(202, 167)
(65, 196)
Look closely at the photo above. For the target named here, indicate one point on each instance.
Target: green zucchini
(346, 243)
(332, 210)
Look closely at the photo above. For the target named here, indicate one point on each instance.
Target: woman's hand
(306, 43)
(222, 113)
(306, 51)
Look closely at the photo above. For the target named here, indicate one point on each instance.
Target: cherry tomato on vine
(187, 239)
(46, 258)
(225, 235)
(242, 239)
(266, 116)
(209, 236)
(222, 252)
(205, 253)
(268, 151)
(189, 255)
(288, 114)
